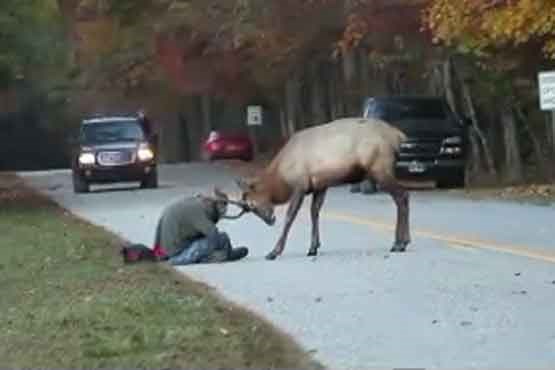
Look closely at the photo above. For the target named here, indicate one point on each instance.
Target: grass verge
(69, 302)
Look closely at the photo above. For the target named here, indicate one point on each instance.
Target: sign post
(547, 100)
(254, 120)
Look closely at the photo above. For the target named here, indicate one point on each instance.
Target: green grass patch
(68, 301)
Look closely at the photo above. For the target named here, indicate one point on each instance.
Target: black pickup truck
(436, 149)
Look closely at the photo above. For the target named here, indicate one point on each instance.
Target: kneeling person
(187, 233)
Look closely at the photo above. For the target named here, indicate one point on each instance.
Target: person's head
(141, 113)
(216, 205)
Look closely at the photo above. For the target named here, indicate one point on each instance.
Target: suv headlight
(451, 150)
(86, 158)
(453, 140)
(145, 153)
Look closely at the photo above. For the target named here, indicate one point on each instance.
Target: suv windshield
(112, 131)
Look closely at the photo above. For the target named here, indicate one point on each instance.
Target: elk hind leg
(317, 202)
(400, 196)
(386, 180)
(293, 209)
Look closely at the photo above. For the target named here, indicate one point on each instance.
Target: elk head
(257, 199)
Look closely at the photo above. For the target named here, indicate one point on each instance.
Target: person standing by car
(186, 233)
(145, 121)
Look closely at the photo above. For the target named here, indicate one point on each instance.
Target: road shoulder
(69, 298)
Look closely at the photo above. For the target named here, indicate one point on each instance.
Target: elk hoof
(271, 256)
(399, 247)
(312, 252)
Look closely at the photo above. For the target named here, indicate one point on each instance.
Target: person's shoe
(238, 253)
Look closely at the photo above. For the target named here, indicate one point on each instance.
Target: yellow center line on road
(450, 241)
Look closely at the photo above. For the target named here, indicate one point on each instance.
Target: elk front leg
(317, 202)
(294, 206)
(402, 234)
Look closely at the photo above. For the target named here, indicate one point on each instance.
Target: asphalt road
(476, 288)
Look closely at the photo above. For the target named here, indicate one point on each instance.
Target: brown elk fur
(343, 151)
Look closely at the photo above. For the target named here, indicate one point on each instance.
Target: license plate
(233, 147)
(417, 167)
(112, 157)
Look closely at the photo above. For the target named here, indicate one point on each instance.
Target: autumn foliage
(482, 27)
(266, 40)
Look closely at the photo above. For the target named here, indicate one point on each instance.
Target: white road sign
(547, 90)
(254, 115)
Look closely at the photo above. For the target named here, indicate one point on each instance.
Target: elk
(343, 151)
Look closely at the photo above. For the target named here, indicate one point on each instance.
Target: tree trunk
(490, 165)
(206, 111)
(253, 135)
(339, 92)
(473, 165)
(186, 136)
(364, 72)
(513, 161)
(319, 115)
(332, 91)
(292, 88)
(448, 85)
(283, 124)
(536, 144)
(193, 117)
(449, 71)
(436, 81)
(170, 144)
(350, 85)
(303, 106)
(397, 84)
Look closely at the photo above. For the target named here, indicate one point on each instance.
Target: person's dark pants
(203, 250)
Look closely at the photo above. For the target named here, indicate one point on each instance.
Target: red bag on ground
(139, 252)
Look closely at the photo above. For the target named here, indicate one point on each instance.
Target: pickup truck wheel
(150, 181)
(80, 185)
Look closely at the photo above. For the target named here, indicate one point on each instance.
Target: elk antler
(223, 197)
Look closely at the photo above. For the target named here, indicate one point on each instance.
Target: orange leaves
(481, 25)
(354, 32)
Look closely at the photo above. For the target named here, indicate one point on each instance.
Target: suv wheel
(80, 185)
(150, 181)
(368, 187)
(364, 187)
(456, 180)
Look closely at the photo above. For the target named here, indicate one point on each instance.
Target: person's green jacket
(185, 220)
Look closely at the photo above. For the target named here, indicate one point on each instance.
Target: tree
(508, 40)
(30, 39)
(484, 27)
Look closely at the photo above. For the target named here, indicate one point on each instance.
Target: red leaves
(191, 71)
(279, 34)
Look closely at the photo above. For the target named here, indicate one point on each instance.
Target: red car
(227, 146)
